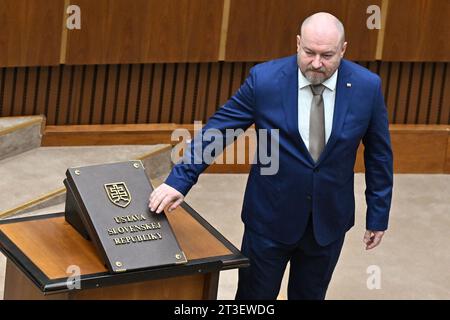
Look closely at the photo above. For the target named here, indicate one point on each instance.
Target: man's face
(319, 58)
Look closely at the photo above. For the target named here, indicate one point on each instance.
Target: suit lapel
(341, 104)
(288, 86)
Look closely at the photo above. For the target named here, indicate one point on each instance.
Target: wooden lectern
(45, 254)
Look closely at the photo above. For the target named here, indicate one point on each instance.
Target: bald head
(320, 46)
(323, 26)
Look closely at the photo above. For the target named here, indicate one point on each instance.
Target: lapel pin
(349, 85)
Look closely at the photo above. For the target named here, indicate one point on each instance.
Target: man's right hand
(164, 196)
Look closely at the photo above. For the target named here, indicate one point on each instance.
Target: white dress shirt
(305, 97)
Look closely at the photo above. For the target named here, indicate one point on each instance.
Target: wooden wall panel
(167, 92)
(427, 81)
(417, 30)
(419, 151)
(144, 93)
(436, 93)
(175, 31)
(30, 91)
(17, 94)
(86, 92)
(415, 93)
(415, 79)
(30, 32)
(156, 93)
(265, 29)
(134, 85)
(444, 101)
(140, 31)
(52, 93)
(178, 92)
(391, 93)
(201, 84)
(190, 85)
(402, 94)
(213, 86)
(120, 93)
(9, 80)
(447, 160)
(62, 100)
(74, 99)
(41, 90)
(99, 95)
(417, 148)
(109, 96)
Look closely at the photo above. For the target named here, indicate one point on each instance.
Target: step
(33, 181)
(20, 134)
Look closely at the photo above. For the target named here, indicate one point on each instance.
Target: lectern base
(45, 252)
(192, 287)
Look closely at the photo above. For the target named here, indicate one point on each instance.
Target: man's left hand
(372, 238)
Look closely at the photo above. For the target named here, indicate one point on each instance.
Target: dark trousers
(310, 271)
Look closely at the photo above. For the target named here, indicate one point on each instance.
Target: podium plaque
(108, 204)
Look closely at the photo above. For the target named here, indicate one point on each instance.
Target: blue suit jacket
(278, 206)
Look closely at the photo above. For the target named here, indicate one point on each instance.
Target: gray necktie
(316, 122)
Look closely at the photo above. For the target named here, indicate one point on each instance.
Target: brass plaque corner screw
(118, 264)
(77, 172)
(136, 165)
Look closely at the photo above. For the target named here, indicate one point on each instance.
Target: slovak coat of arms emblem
(118, 194)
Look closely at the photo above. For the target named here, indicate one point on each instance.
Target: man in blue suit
(322, 106)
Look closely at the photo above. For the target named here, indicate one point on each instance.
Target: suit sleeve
(378, 160)
(236, 113)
